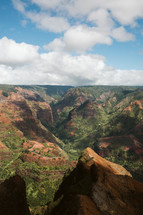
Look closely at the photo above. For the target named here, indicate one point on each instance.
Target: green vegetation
(103, 114)
(41, 181)
(81, 116)
(5, 93)
(7, 88)
(53, 91)
(41, 193)
(13, 142)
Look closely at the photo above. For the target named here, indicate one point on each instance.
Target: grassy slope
(41, 181)
(112, 119)
(109, 120)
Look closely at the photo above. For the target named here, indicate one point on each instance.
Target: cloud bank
(23, 64)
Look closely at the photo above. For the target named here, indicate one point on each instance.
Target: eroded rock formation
(97, 186)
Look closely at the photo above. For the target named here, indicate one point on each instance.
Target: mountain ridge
(45, 135)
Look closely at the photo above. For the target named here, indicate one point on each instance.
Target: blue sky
(68, 42)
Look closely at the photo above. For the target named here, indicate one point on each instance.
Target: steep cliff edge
(97, 186)
(13, 197)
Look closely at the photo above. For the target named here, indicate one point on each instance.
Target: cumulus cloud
(56, 45)
(80, 38)
(46, 22)
(125, 12)
(48, 4)
(83, 25)
(63, 69)
(101, 17)
(42, 19)
(121, 35)
(16, 75)
(16, 53)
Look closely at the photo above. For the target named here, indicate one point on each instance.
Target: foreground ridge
(13, 197)
(97, 186)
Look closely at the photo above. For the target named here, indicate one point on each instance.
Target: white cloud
(56, 68)
(64, 69)
(46, 22)
(48, 4)
(13, 53)
(81, 38)
(19, 5)
(78, 8)
(93, 23)
(42, 19)
(56, 45)
(125, 12)
(121, 35)
(16, 75)
(101, 17)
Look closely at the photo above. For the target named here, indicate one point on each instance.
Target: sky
(71, 42)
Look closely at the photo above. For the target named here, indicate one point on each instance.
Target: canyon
(44, 129)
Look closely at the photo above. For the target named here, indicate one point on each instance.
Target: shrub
(4, 93)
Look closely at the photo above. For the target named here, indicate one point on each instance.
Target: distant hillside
(27, 147)
(43, 130)
(53, 91)
(86, 114)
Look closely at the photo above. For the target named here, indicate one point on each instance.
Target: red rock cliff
(97, 186)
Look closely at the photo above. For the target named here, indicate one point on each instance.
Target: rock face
(26, 114)
(13, 197)
(97, 186)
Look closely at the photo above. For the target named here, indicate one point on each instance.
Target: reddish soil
(45, 154)
(135, 103)
(125, 142)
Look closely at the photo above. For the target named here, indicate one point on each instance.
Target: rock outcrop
(98, 187)
(13, 197)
